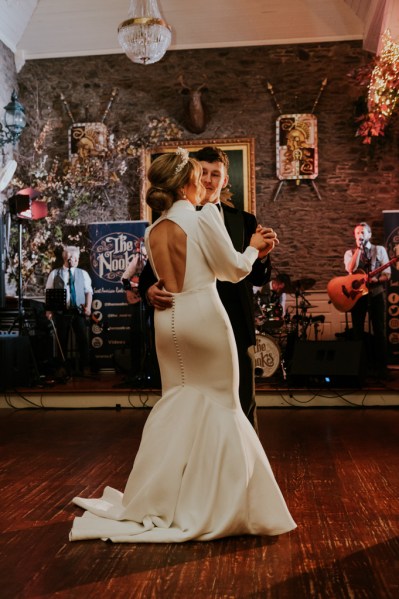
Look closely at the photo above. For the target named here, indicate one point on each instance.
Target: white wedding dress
(200, 472)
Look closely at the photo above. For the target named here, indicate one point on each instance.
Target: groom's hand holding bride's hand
(158, 297)
(270, 239)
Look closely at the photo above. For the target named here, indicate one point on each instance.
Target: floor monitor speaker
(328, 364)
(15, 361)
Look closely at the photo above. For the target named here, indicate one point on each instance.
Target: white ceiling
(35, 29)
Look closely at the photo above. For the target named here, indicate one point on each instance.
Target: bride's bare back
(168, 244)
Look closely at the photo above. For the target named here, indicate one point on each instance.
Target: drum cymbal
(302, 284)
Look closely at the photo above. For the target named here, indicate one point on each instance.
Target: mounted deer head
(195, 113)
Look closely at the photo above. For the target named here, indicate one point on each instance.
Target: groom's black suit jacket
(237, 298)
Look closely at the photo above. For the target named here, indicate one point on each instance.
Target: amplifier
(9, 321)
(15, 362)
(328, 364)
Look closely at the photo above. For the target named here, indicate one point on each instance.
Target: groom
(237, 298)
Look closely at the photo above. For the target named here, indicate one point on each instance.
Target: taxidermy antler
(195, 116)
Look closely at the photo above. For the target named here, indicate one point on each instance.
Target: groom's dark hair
(213, 154)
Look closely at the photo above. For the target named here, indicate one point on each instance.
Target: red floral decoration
(382, 79)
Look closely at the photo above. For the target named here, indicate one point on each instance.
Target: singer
(79, 290)
(366, 257)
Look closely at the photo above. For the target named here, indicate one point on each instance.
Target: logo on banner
(111, 254)
(393, 318)
(391, 231)
(393, 251)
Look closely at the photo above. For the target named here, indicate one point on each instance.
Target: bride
(200, 472)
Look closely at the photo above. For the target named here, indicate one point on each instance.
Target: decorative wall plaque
(87, 140)
(296, 146)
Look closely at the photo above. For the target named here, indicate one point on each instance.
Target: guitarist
(140, 328)
(366, 257)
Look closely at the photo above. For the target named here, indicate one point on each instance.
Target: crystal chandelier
(144, 36)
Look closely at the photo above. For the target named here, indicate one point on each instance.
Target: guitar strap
(364, 260)
(368, 260)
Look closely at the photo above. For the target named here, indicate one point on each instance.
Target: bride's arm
(224, 260)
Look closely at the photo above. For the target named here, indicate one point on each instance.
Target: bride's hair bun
(167, 175)
(159, 199)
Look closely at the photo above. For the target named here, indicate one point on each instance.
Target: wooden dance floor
(337, 468)
(113, 390)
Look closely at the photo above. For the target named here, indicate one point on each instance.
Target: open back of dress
(168, 243)
(200, 472)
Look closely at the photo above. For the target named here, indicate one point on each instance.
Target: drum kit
(276, 332)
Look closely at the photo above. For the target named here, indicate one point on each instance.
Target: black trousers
(246, 362)
(375, 307)
(73, 320)
(137, 331)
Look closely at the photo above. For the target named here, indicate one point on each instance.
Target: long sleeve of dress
(226, 263)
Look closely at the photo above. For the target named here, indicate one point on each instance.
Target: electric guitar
(345, 291)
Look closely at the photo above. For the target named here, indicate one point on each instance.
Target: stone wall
(356, 182)
(8, 75)
(8, 82)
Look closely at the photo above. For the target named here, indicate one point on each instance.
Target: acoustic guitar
(132, 293)
(344, 292)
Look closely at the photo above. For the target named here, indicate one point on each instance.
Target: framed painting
(241, 154)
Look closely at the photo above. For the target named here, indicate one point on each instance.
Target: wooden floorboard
(338, 470)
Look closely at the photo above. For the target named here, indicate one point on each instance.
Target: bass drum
(267, 356)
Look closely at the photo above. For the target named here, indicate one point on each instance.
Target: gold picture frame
(241, 153)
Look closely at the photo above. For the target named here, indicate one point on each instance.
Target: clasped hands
(264, 240)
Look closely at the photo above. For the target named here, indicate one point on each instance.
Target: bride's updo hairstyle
(167, 175)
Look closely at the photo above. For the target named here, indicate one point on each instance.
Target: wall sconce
(14, 121)
(145, 36)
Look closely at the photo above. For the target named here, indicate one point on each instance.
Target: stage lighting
(26, 205)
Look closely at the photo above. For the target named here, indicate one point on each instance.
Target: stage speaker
(328, 364)
(16, 362)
